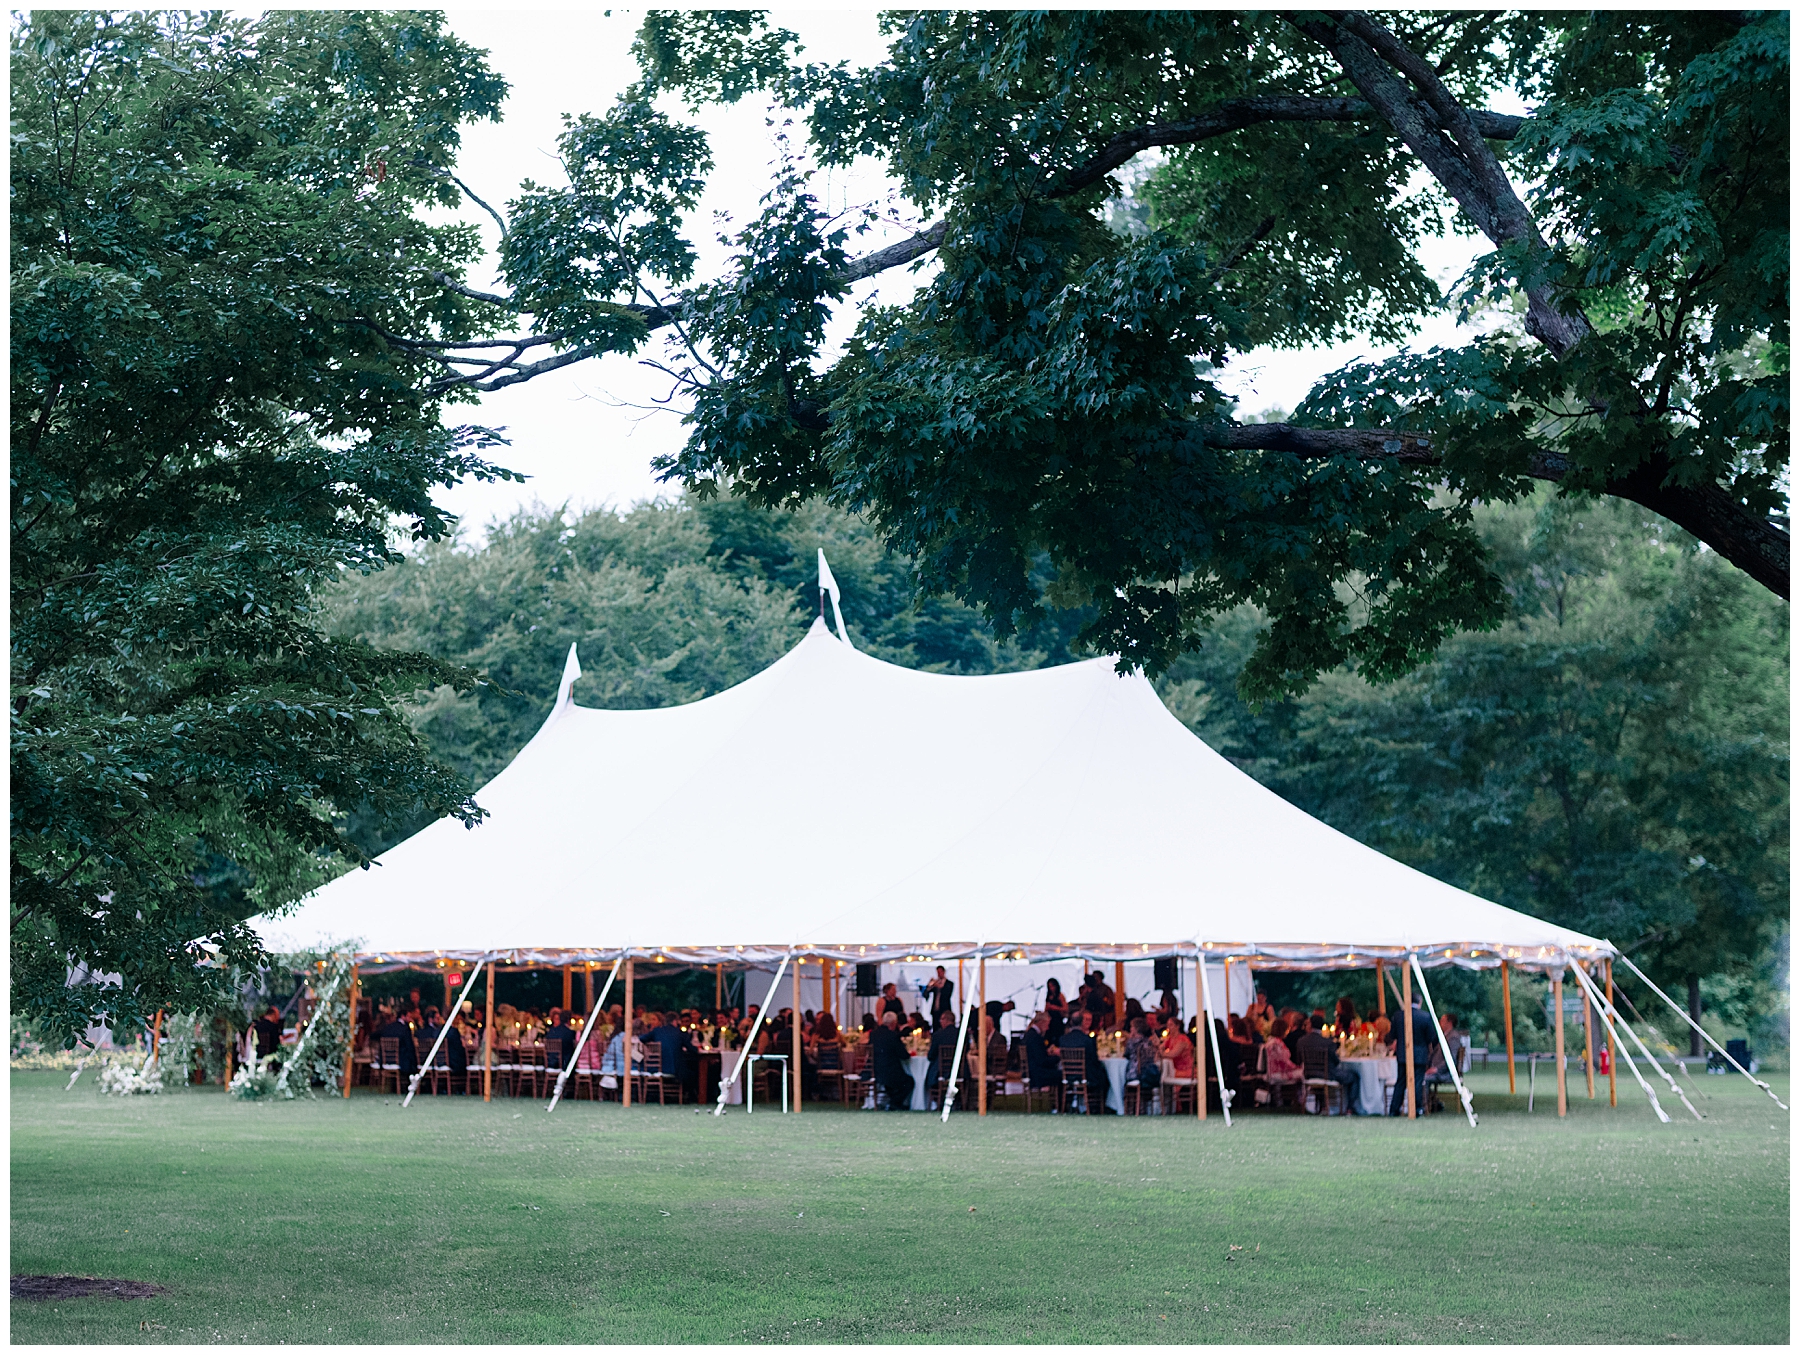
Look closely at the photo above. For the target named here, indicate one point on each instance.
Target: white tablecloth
(916, 1064)
(1373, 1095)
(1115, 1085)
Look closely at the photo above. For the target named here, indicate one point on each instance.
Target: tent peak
(571, 671)
(828, 584)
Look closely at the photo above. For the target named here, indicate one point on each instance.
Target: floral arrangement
(119, 1078)
(256, 1081)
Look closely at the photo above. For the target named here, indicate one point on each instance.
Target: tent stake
(1562, 1079)
(586, 1031)
(487, 1037)
(1512, 1085)
(1212, 1033)
(1412, 1077)
(349, 1039)
(1587, 1011)
(625, 1045)
(799, 1053)
(1612, 1057)
(1703, 1034)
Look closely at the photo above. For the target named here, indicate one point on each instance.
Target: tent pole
(1562, 1078)
(718, 988)
(568, 990)
(799, 1054)
(625, 1044)
(1612, 1057)
(1412, 1077)
(587, 983)
(1212, 1033)
(1118, 994)
(587, 1032)
(1512, 1082)
(1380, 990)
(1200, 1050)
(981, 1066)
(1587, 1010)
(446, 989)
(349, 1039)
(487, 1037)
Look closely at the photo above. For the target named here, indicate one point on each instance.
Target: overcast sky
(584, 434)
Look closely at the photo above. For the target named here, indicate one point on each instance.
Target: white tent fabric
(838, 806)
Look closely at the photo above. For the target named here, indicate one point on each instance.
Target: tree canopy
(214, 223)
(1050, 392)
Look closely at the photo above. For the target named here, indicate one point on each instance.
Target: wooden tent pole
(1612, 1054)
(1512, 1084)
(799, 1056)
(1118, 994)
(981, 1035)
(350, 1036)
(1412, 1079)
(625, 1044)
(1200, 1020)
(1562, 1078)
(1587, 1009)
(487, 1037)
(718, 988)
(587, 980)
(1380, 990)
(568, 990)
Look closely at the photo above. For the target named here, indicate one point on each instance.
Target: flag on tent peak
(828, 584)
(571, 671)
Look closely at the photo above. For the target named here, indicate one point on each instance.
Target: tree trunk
(1694, 1012)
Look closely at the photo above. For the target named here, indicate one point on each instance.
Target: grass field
(459, 1221)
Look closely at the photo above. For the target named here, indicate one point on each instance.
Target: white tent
(838, 807)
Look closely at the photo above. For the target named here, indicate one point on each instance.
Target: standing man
(942, 989)
(1424, 1040)
(268, 1033)
(887, 1056)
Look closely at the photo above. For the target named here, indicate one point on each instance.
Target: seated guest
(1316, 1043)
(669, 1040)
(558, 1032)
(888, 1062)
(1296, 1027)
(1344, 1018)
(1082, 1038)
(1042, 1068)
(825, 1029)
(1278, 1064)
(1143, 1063)
(398, 1031)
(1134, 1010)
(944, 1037)
(868, 1024)
(1177, 1048)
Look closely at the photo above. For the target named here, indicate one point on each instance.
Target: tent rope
(1468, 1099)
(1206, 1010)
(1607, 1012)
(588, 1029)
(750, 1039)
(437, 1044)
(1696, 1025)
(956, 1063)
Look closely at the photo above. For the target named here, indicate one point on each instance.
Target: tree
(1613, 757)
(213, 227)
(1048, 392)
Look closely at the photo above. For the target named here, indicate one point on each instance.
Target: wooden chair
(1074, 1079)
(996, 1068)
(387, 1068)
(652, 1075)
(553, 1066)
(1175, 1090)
(853, 1078)
(830, 1068)
(1326, 1091)
(947, 1057)
(1134, 1098)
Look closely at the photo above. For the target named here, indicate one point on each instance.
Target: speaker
(1168, 973)
(868, 980)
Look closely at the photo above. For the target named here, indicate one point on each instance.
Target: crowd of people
(1263, 1049)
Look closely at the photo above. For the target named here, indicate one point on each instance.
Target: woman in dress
(1056, 1007)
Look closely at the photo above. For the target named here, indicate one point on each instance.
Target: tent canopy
(837, 806)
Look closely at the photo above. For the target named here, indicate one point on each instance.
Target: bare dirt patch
(81, 1287)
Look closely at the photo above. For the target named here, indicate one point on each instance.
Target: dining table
(1378, 1076)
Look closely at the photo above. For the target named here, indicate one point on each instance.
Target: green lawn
(458, 1221)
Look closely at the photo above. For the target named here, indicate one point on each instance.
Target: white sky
(581, 433)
